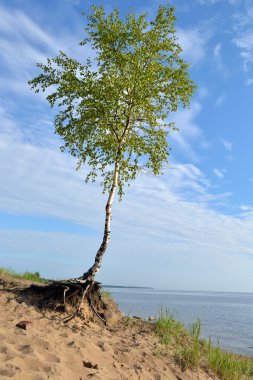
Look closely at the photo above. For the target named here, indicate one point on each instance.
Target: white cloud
(54, 188)
(217, 53)
(220, 100)
(213, 2)
(246, 208)
(234, 2)
(227, 144)
(217, 50)
(207, 2)
(189, 130)
(160, 221)
(24, 43)
(202, 92)
(247, 211)
(8, 132)
(53, 180)
(20, 36)
(47, 251)
(219, 172)
(193, 42)
(244, 36)
(249, 81)
(72, 2)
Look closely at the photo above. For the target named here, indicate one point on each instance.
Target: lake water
(227, 317)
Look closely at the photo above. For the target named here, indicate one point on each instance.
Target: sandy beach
(124, 348)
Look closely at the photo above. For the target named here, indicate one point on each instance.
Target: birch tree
(116, 119)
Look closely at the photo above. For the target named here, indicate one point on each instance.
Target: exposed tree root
(64, 300)
(93, 308)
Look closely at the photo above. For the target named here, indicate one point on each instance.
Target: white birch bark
(89, 276)
(107, 229)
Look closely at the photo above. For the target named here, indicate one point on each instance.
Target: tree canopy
(114, 109)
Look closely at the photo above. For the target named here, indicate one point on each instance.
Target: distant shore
(127, 287)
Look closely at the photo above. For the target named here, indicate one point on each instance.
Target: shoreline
(221, 316)
(122, 348)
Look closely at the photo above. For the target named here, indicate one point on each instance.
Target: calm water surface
(227, 317)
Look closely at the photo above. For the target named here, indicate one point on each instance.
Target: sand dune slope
(51, 350)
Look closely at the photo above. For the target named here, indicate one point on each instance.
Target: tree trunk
(91, 273)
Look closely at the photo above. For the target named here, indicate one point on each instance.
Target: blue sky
(188, 229)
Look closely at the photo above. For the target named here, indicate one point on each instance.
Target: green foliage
(168, 329)
(189, 355)
(228, 366)
(31, 276)
(119, 113)
(191, 352)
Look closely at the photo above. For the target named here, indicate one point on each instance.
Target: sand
(79, 350)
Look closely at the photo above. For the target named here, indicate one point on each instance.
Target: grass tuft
(169, 329)
(227, 365)
(105, 294)
(31, 276)
(190, 351)
(189, 355)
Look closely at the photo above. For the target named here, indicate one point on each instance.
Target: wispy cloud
(202, 92)
(213, 2)
(217, 54)
(207, 2)
(220, 100)
(217, 51)
(249, 82)
(193, 42)
(246, 211)
(190, 132)
(227, 144)
(229, 147)
(219, 172)
(24, 43)
(21, 42)
(244, 35)
(72, 2)
(235, 2)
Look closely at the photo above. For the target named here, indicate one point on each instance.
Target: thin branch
(115, 133)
